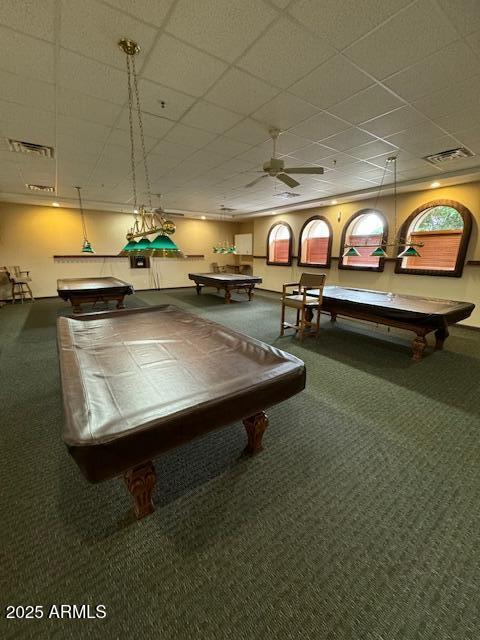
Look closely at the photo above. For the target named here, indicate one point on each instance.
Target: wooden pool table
(228, 281)
(79, 291)
(139, 382)
(414, 313)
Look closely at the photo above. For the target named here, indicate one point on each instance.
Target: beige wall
(465, 288)
(31, 235)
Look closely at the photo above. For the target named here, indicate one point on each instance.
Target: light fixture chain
(142, 136)
(84, 228)
(132, 141)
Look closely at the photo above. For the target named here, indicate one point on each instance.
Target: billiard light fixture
(406, 249)
(146, 220)
(87, 247)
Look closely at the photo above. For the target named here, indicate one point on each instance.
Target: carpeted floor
(359, 521)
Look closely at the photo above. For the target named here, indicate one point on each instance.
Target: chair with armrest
(19, 280)
(302, 301)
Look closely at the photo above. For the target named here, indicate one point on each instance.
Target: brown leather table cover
(69, 287)
(138, 382)
(434, 312)
(219, 279)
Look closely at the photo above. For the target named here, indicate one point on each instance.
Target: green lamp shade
(379, 252)
(143, 245)
(87, 247)
(351, 252)
(409, 252)
(131, 246)
(163, 243)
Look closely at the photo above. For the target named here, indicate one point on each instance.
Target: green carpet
(359, 521)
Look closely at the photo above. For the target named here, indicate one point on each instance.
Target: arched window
(366, 230)
(279, 244)
(443, 228)
(315, 242)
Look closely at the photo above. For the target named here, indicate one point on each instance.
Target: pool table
(227, 281)
(418, 314)
(79, 291)
(138, 382)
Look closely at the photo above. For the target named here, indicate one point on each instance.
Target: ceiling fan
(275, 167)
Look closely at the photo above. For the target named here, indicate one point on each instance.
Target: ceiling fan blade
(250, 184)
(317, 170)
(290, 182)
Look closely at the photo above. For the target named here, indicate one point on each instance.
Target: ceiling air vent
(40, 187)
(31, 148)
(226, 209)
(287, 194)
(451, 154)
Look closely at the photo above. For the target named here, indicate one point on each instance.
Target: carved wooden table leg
(308, 314)
(250, 292)
(198, 288)
(228, 295)
(333, 316)
(140, 482)
(418, 346)
(76, 307)
(440, 336)
(120, 303)
(255, 427)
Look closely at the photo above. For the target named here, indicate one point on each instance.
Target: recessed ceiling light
(334, 201)
(135, 211)
(435, 184)
(55, 204)
(203, 217)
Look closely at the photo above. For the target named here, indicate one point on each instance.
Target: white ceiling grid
(348, 83)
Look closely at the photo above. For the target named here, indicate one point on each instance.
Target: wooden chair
(19, 280)
(302, 302)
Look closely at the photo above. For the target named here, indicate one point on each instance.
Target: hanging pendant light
(409, 252)
(379, 252)
(87, 247)
(351, 252)
(146, 220)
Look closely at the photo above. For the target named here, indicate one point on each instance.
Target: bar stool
(19, 281)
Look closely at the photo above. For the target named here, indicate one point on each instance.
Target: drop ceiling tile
(30, 16)
(344, 22)
(312, 153)
(26, 56)
(27, 123)
(189, 136)
(474, 42)
(367, 104)
(285, 111)
(319, 127)
(347, 139)
(92, 28)
(79, 105)
(372, 149)
(452, 64)
(332, 82)
(465, 14)
(15, 89)
(224, 28)
(286, 144)
(155, 10)
(152, 94)
(423, 146)
(91, 77)
(285, 53)
(179, 66)
(393, 122)
(415, 32)
(227, 147)
(248, 131)
(240, 92)
(460, 120)
(452, 98)
(209, 117)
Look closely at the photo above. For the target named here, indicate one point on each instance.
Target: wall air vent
(40, 187)
(32, 149)
(451, 154)
(285, 195)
